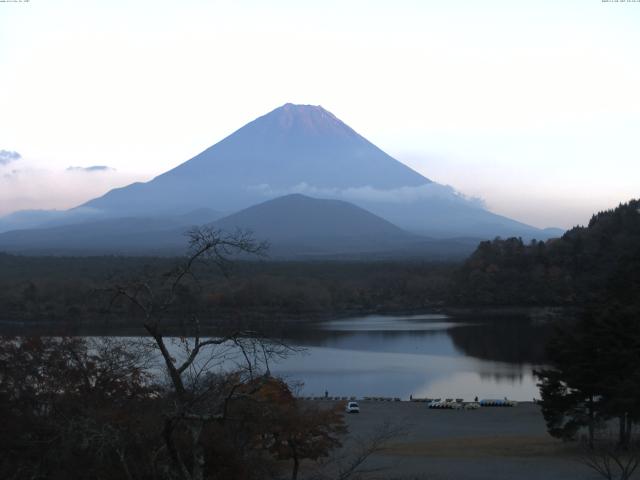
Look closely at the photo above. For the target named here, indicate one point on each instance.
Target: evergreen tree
(594, 375)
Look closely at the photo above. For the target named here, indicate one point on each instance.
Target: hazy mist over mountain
(294, 226)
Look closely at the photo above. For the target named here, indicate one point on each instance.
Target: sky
(533, 106)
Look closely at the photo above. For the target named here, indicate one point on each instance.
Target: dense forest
(568, 271)
(75, 289)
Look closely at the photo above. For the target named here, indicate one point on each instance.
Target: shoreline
(275, 321)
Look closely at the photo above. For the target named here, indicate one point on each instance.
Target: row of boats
(450, 403)
(458, 403)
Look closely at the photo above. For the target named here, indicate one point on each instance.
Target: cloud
(31, 187)
(11, 174)
(92, 169)
(7, 156)
(402, 195)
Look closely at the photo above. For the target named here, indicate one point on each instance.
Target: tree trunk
(176, 378)
(591, 423)
(198, 452)
(296, 466)
(622, 434)
(628, 427)
(123, 462)
(296, 460)
(167, 434)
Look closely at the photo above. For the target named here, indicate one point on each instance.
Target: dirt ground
(491, 443)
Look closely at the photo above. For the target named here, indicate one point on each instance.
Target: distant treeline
(78, 289)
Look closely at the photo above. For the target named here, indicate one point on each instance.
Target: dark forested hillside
(584, 265)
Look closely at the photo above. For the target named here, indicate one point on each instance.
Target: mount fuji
(306, 149)
(298, 149)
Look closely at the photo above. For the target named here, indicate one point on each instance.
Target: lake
(427, 355)
(422, 355)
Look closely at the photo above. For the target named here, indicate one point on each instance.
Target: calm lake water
(397, 356)
(423, 356)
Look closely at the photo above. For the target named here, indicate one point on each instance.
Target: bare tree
(200, 398)
(611, 461)
(351, 464)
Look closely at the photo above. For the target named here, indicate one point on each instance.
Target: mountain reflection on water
(422, 355)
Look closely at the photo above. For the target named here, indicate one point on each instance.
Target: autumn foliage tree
(69, 405)
(299, 431)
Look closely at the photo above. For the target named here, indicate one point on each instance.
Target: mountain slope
(131, 235)
(297, 224)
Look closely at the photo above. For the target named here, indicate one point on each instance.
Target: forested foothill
(571, 270)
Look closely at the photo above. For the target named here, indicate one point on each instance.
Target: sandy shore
(491, 443)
